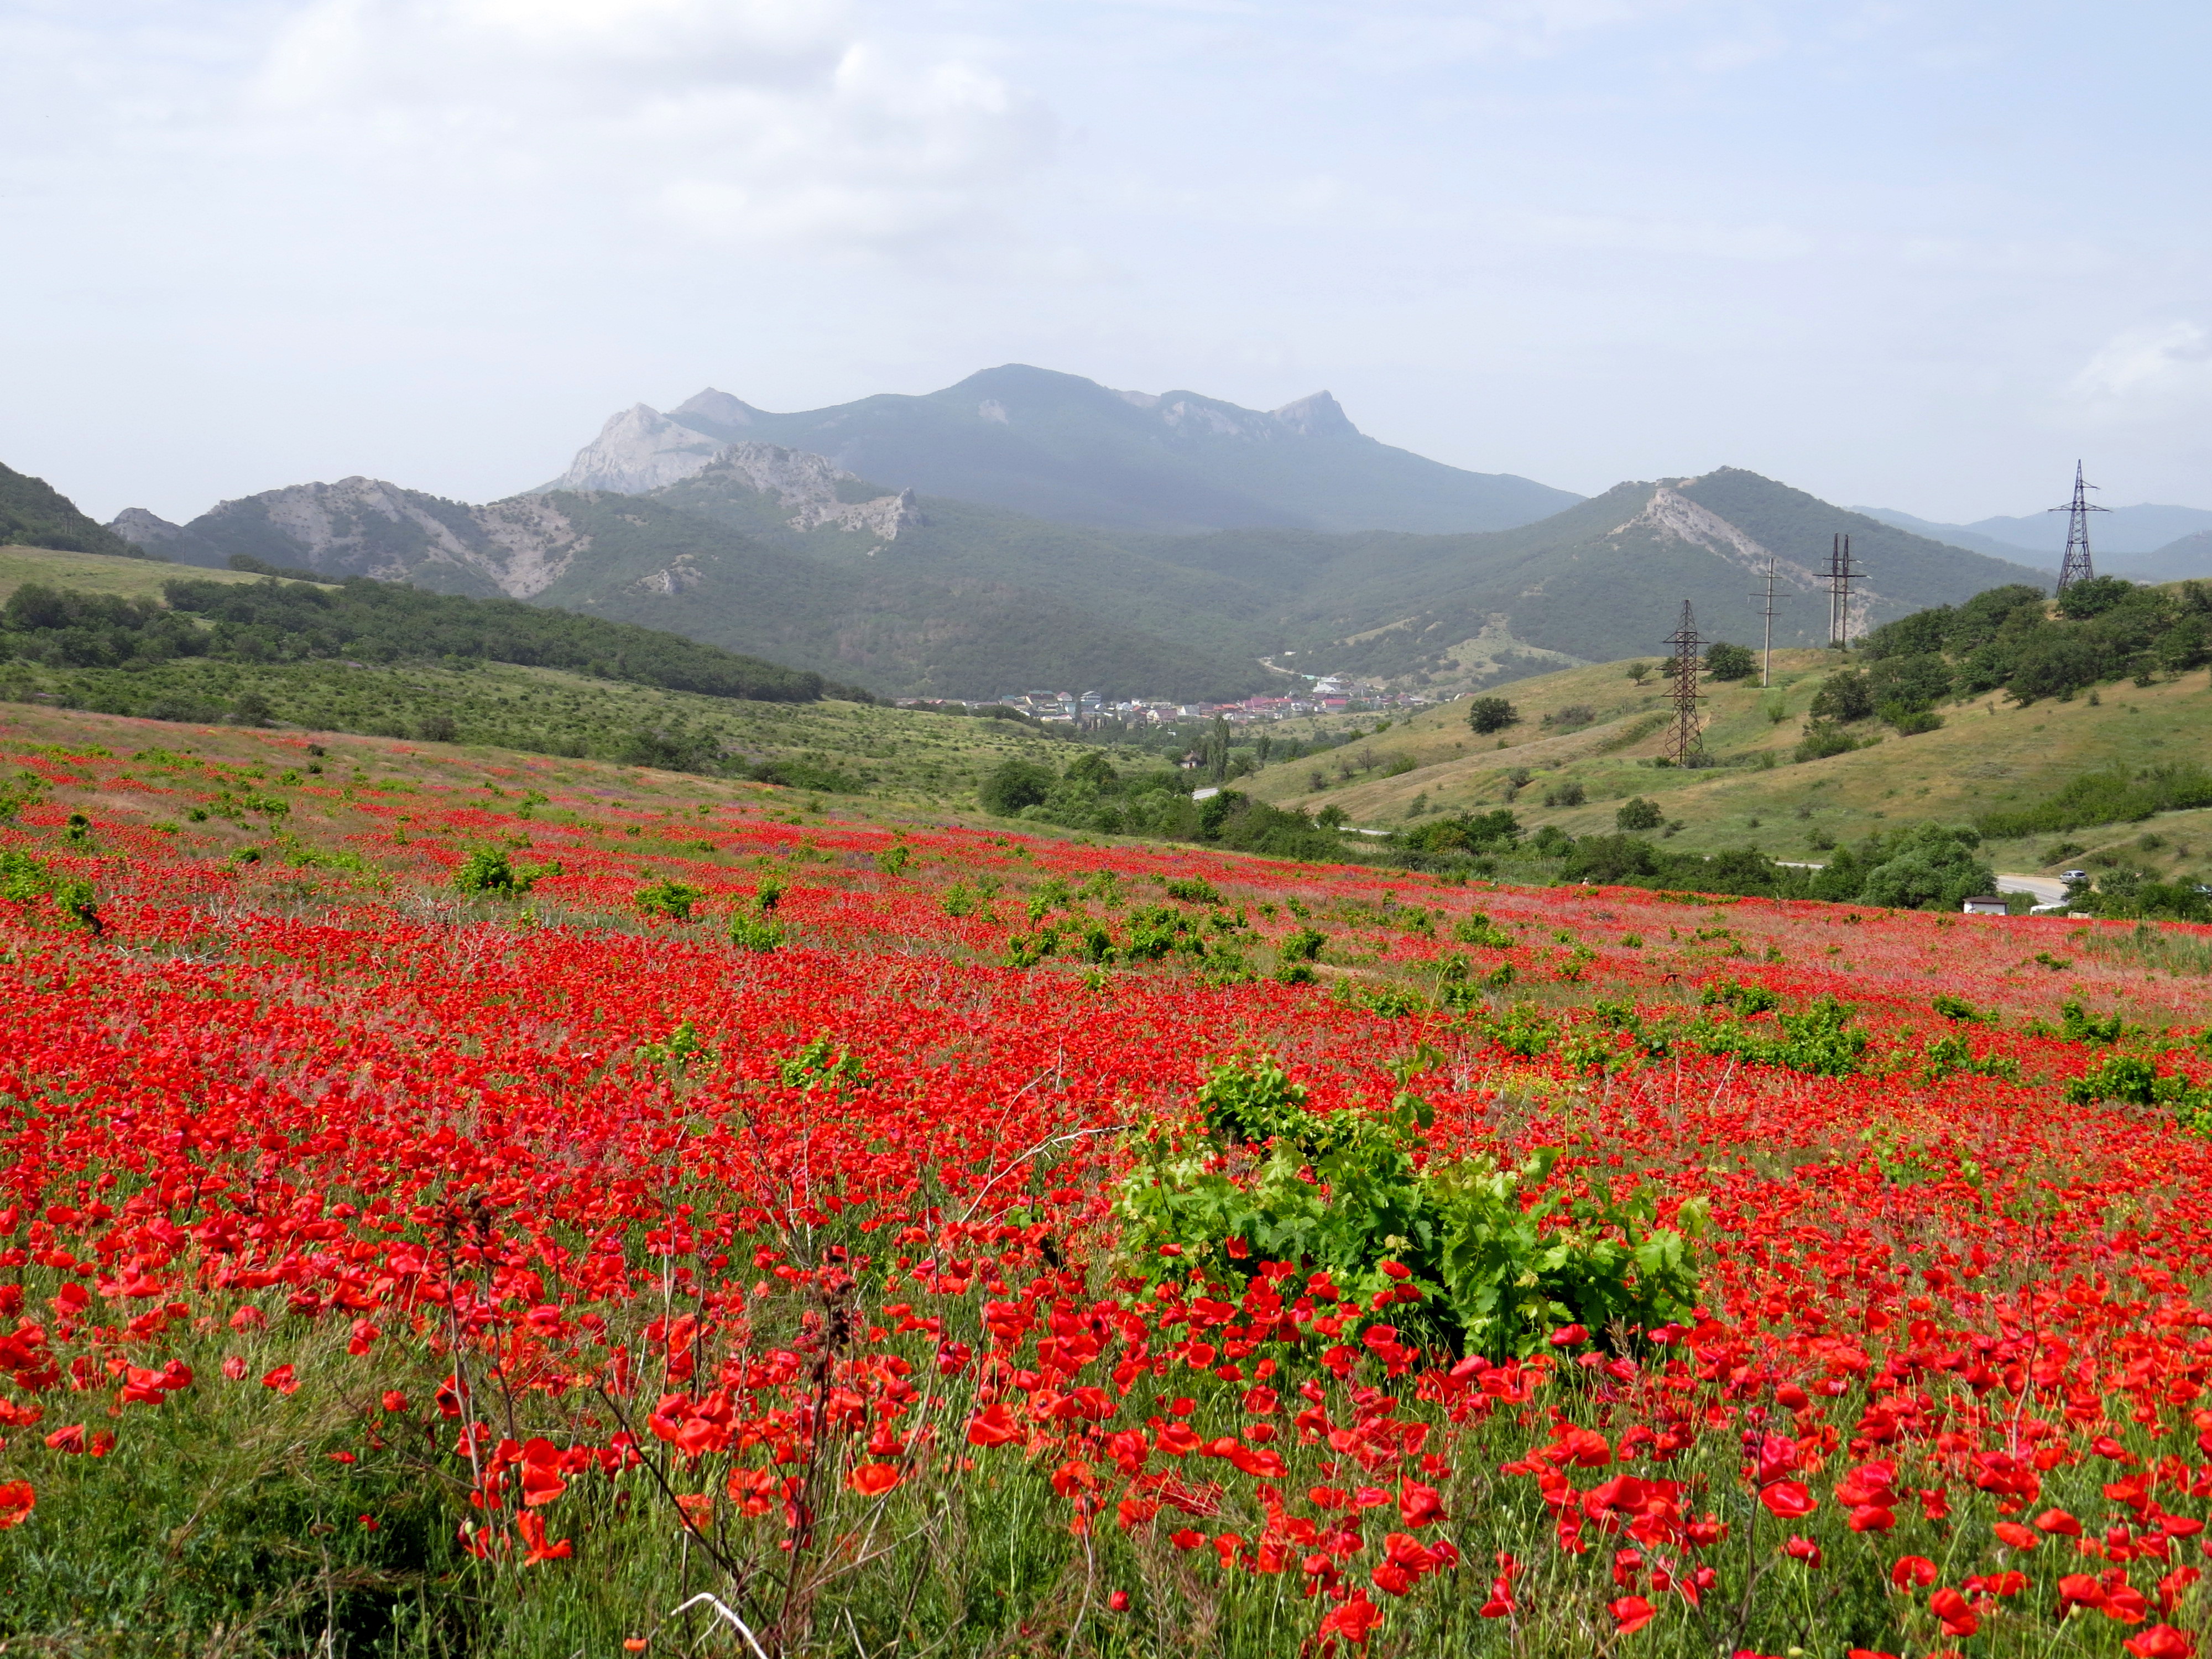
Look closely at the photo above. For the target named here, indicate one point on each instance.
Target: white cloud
(760, 121)
(2154, 371)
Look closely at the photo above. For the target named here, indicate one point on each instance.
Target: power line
(2075, 567)
(1688, 739)
(1842, 572)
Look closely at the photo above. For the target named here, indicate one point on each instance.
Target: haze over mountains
(2145, 542)
(1058, 446)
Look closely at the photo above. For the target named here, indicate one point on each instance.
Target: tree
(1724, 661)
(1013, 784)
(1845, 696)
(2183, 648)
(2094, 598)
(1638, 672)
(1637, 813)
(1488, 715)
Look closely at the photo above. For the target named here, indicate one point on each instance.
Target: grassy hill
(98, 573)
(1989, 755)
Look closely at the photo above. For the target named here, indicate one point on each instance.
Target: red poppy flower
(874, 1479)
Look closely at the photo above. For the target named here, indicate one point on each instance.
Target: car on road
(2073, 875)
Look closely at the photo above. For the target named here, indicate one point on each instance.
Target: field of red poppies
(499, 1206)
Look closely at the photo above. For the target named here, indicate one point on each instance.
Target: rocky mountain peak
(716, 414)
(1316, 416)
(637, 450)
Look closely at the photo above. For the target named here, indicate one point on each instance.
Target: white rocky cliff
(638, 450)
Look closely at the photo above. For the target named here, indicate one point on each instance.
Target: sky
(1920, 256)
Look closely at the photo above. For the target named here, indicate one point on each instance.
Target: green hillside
(33, 513)
(235, 648)
(971, 600)
(99, 573)
(1592, 730)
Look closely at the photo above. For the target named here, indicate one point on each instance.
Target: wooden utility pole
(1765, 602)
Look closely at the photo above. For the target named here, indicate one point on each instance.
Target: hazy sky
(1916, 255)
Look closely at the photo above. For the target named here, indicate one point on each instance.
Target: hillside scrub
(1091, 795)
(276, 621)
(1924, 867)
(2103, 630)
(2109, 795)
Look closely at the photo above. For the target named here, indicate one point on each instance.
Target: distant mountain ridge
(1058, 446)
(2145, 542)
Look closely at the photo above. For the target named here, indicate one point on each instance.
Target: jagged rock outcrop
(809, 490)
(361, 526)
(641, 450)
(157, 536)
(638, 450)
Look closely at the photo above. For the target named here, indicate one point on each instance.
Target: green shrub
(2118, 1076)
(1303, 946)
(1745, 998)
(1950, 1054)
(1192, 890)
(488, 871)
(1953, 1007)
(1488, 715)
(1823, 739)
(755, 933)
(2077, 1025)
(1820, 1040)
(669, 898)
(1475, 1258)
(1637, 814)
(1724, 661)
(1478, 930)
(1521, 1029)
(25, 880)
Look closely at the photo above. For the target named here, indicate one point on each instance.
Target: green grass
(98, 573)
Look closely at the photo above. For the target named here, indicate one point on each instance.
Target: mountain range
(777, 554)
(2146, 542)
(1058, 446)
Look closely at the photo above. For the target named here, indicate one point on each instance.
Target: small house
(1988, 904)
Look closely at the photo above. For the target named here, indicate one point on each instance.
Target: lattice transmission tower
(1688, 739)
(1842, 572)
(2075, 567)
